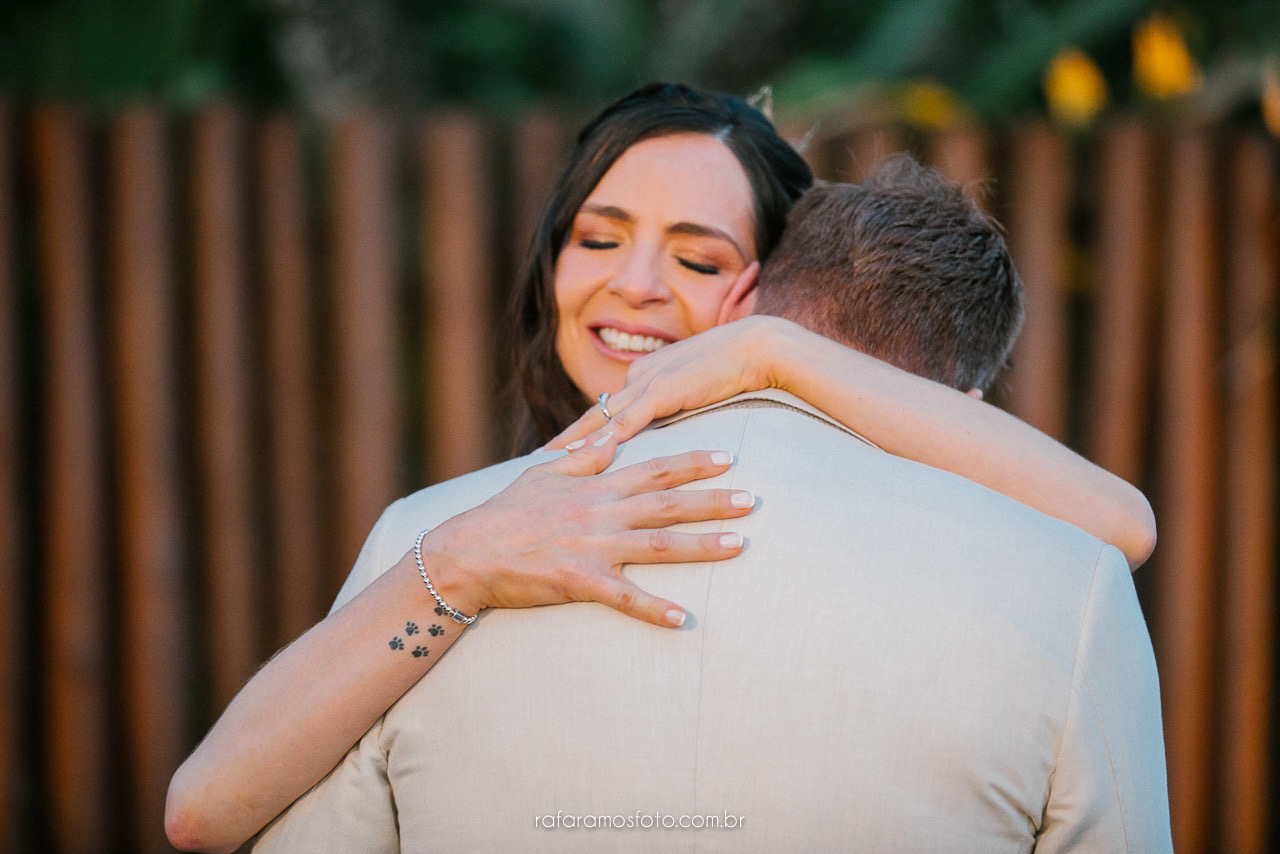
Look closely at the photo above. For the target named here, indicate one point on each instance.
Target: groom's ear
(740, 301)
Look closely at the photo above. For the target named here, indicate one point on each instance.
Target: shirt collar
(770, 395)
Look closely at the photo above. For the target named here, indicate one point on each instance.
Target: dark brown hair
(548, 399)
(903, 266)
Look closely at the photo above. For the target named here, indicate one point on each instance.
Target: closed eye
(598, 244)
(704, 269)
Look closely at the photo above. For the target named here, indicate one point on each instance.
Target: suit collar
(774, 396)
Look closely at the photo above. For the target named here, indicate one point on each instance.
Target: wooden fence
(226, 342)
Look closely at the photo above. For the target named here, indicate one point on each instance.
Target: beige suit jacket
(900, 660)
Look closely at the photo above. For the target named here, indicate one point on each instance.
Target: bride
(651, 241)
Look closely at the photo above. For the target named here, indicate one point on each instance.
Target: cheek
(575, 282)
(572, 292)
(562, 289)
(702, 304)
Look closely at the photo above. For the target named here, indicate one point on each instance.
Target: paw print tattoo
(439, 611)
(419, 651)
(396, 643)
(435, 631)
(410, 628)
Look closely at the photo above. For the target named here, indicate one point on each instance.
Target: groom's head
(903, 266)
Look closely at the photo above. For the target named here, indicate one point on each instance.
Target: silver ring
(604, 401)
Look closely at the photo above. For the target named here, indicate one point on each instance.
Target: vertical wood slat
(963, 155)
(536, 151)
(295, 535)
(828, 155)
(1039, 208)
(1248, 612)
(457, 236)
(1186, 506)
(14, 775)
(230, 555)
(155, 643)
(867, 150)
(809, 143)
(1245, 409)
(75, 636)
(1122, 298)
(365, 329)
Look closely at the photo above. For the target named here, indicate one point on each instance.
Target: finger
(669, 506)
(592, 421)
(735, 304)
(619, 593)
(662, 546)
(666, 472)
(631, 419)
(586, 459)
(650, 397)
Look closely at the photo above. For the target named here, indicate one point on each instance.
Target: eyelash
(704, 269)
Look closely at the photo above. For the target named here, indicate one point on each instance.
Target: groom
(901, 660)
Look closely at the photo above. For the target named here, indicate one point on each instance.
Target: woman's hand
(557, 534)
(904, 414)
(698, 371)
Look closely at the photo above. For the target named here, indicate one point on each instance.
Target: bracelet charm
(454, 614)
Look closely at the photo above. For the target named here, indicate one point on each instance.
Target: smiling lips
(616, 339)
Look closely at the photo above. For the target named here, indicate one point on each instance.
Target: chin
(593, 391)
(591, 369)
(600, 382)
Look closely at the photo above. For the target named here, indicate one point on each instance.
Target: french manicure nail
(730, 541)
(722, 458)
(598, 442)
(675, 618)
(573, 446)
(742, 499)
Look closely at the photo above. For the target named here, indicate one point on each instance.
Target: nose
(640, 280)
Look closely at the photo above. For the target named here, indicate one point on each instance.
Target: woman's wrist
(779, 344)
(455, 585)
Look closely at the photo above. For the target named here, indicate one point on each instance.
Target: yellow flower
(1271, 96)
(1162, 65)
(927, 104)
(1074, 88)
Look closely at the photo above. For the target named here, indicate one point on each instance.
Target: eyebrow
(691, 228)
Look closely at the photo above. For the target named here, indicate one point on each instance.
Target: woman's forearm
(561, 532)
(296, 718)
(930, 423)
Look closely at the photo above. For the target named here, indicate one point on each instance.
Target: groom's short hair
(903, 266)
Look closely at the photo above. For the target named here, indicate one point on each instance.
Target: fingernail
(598, 442)
(675, 618)
(722, 458)
(742, 499)
(573, 446)
(730, 541)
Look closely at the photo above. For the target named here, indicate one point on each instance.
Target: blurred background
(254, 256)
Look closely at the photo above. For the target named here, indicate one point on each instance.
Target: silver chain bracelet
(456, 615)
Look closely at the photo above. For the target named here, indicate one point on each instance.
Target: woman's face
(652, 256)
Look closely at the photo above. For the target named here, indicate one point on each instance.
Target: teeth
(616, 339)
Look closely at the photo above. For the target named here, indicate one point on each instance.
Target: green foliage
(496, 54)
(991, 54)
(499, 54)
(905, 37)
(107, 51)
(1006, 72)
